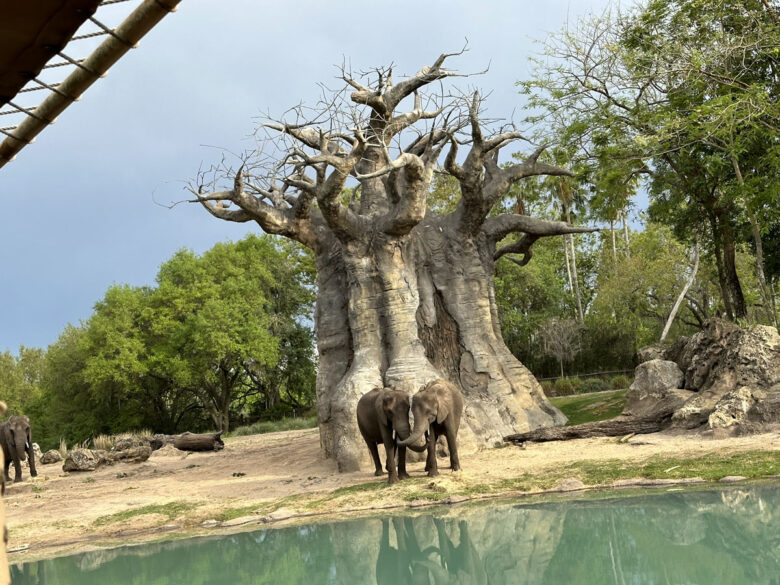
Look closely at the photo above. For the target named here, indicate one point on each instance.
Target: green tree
(683, 93)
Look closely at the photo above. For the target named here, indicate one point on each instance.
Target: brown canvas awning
(31, 33)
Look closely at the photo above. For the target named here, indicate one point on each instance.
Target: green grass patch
(231, 513)
(275, 426)
(710, 467)
(170, 510)
(583, 408)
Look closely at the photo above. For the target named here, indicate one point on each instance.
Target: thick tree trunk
(766, 297)
(717, 242)
(730, 270)
(402, 311)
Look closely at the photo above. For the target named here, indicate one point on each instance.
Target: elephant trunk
(420, 426)
(20, 443)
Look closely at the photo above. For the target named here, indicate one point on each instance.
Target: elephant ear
(383, 403)
(443, 403)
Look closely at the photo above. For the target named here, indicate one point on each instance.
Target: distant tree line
(222, 339)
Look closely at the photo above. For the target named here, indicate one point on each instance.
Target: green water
(714, 537)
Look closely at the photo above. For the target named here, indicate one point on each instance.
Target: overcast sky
(79, 208)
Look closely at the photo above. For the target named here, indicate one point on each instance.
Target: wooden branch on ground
(199, 442)
(616, 427)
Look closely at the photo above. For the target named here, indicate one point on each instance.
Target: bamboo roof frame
(86, 71)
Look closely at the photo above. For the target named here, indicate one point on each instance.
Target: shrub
(593, 385)
(620, 382)
(563, 387)
(576, 382)
(548, 388)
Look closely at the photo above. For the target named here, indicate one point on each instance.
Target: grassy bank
(582, 408)
(275, 426)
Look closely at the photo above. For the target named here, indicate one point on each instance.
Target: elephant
(16, 441)
(380, 412)
(437, 409)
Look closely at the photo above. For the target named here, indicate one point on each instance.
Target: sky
(84, 206)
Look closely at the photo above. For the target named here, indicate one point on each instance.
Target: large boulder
(724, 364)
(36, 453)
(657, 375)
(649, 352)
(131, 443)
(51, 456)
(137, 454)
(655, 391)
(80, 460)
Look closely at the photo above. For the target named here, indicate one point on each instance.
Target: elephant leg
(452, 445)
(372, 448)
(433, 468)
(7, 469)
(402, 474)
(392, 476)
(17, 470)
(31, 457)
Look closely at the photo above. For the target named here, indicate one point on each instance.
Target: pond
(727, 537)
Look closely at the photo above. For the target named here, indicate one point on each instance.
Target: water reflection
(728, 537)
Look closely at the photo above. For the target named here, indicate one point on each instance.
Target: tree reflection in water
(728, 537)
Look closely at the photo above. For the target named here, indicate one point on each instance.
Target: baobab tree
(404, 296)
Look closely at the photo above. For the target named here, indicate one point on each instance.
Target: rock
(36, 454)
(655, 391)
(281, 514)
(131, 455)
(649, 352)
(570, 484)
(641, 403)
(80, 460)
(732, 409)
(751, 355)
(241, 520)
(657, 375)
(674, 352)
(644, 482)
(51, 456)
(722, 359)
(168, 451)
(211, 523)
(131, 443)
(732, 479)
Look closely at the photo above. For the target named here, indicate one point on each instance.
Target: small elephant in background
(437, 409)
(380, 413)
(16, 441)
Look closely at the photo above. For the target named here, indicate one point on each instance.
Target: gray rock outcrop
(724, 377)
(51, 456)
(80, 460)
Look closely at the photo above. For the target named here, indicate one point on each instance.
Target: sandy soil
(58, 511)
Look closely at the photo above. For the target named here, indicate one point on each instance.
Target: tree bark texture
(199, 442)
(405, 296)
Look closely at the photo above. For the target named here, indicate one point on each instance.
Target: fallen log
(199, 442)
(615, 427)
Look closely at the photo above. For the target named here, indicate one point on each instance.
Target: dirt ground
(58, 512)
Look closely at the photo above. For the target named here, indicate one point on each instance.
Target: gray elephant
(437, 409)
(16, 441)
(380, 412)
